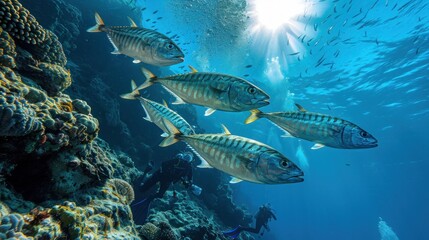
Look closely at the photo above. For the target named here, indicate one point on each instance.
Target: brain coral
(123, 188)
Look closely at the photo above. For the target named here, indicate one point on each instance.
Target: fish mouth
(295, 179)
(262, 102)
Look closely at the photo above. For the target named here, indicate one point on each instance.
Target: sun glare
(272, 14)
(277, 29)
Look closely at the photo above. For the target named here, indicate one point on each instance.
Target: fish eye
(170, 46)
(251, 90)
(364, 134)
(284, 163)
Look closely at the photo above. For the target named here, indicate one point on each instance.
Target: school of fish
(240, 157)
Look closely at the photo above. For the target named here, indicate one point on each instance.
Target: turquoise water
(373, 72)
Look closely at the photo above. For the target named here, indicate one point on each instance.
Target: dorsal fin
(225, 130)
(192, 69)
(132, 23)
(300, 108)
(165, 103)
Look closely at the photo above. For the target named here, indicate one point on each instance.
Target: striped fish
(155, 112)
(242, 158)
(144, 45)
(213, 90)
(322, 129)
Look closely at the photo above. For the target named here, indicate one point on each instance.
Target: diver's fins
(234, 233)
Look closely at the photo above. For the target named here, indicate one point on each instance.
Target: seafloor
(58, 178)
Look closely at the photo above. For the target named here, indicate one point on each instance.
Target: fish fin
(300, 108)
(98, 27)
(178, 99)
(204, 164)
(209, 112)
(147, 116)
(115, 51)
(192, 69)
(255, 114)
(115, 48)
(172, 132)
(136, 61)
(286, 134)
(150, 78)
(235, 180)
(133, 94)
(165, 103)
(164, 135)
(317, 146)
(225, 130)
(132, 23)
(133, 85)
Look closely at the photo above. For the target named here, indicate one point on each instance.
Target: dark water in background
(379, 80)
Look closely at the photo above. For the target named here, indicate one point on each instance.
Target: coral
(187, 217)
(7, 50)
(24, 28)
(148, 231)
(17, 118)
(123, 188)
(11, 227)
(63, 19)
(165, 232)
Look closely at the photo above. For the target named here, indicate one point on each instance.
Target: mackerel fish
(242, 158)
(323, 129)
(155, 112)
(144, 45)
(213, 90)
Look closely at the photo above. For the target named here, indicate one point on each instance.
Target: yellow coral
(66, 106)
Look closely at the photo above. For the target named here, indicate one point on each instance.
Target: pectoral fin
(317, 146)
(235, 180)
(209, 111)
(204, 163)
(136, 61)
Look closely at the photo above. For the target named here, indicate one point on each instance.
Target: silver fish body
(242, 158)
(144, 45)
(319, 128)
(155, 112)
(213, 90)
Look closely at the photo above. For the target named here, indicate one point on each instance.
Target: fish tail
(174, 134)
(255, 114)
(133, 94)
(99, 26)
(150, 79)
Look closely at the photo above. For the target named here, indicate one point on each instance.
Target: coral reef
(49, 150)
(188, 217)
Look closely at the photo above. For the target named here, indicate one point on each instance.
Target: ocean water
(363, 61)
(373, 71)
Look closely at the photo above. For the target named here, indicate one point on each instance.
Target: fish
(248, 66)
(242, 158)
(322, 129)
(144, 45)
(213, 90)
(155, 112)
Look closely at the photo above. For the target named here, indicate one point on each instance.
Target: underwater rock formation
(188, 217)
(49, 150)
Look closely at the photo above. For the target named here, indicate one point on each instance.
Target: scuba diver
(178, 169)
(262, 217)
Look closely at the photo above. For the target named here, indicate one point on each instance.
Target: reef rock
(188, 217)
(57, 179)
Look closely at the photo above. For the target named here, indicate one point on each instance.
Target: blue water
(374, 73)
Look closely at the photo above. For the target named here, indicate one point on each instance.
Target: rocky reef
(181, 216)
(57, 179)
